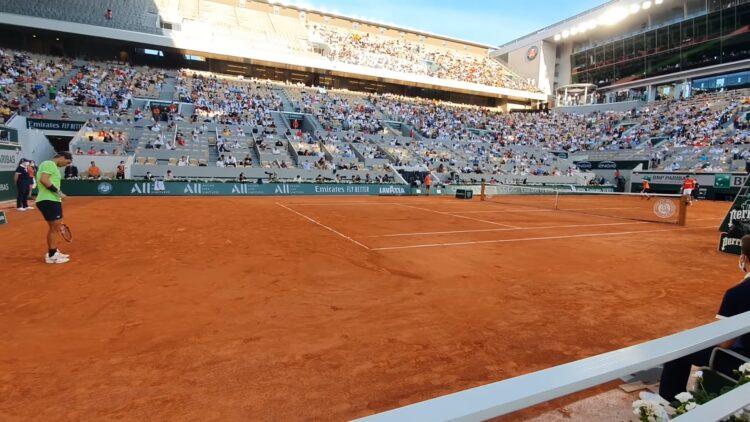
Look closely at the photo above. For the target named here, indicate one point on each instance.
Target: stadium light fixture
(658, 1)
(646, 5)
(574, 30)
(635, 8)
(558, 37)
(565, 34)
(613, 16)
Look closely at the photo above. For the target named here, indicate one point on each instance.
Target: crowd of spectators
(25, 78)
(401, 55)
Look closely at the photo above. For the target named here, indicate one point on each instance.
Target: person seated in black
(736, 301)
(71, 171)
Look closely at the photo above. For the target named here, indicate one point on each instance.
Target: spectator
(169, 176)
(736, 301)
(94, 171)
(120, 174)
(148, 176)
(22, 180)
(71, 171)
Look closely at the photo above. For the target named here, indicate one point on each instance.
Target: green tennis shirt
(48, 167)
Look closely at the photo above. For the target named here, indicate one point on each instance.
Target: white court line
(527, 239)
(460, 216)
(343, 203)
(545, 210)
(323, 225)
(509, 229)
(527, 228)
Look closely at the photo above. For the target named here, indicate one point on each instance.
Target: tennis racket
(66, 233)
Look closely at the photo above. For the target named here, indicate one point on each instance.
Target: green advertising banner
(9, 156)
(723, 181)
(737, 222)
(160, 188)
(47, 124)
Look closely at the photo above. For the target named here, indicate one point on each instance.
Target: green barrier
(738, 214)
(160, 188)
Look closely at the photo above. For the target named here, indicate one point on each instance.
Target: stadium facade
(637, 50)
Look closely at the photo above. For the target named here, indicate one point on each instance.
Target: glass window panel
(727, 21)
(675, 36)
(699, 28)
(687, 32)
(650, 42)
(714, 25)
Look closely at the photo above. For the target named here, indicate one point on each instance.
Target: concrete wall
(34, 145)
(585, 109)
(563, 75)
(524, 67)
(546, 78)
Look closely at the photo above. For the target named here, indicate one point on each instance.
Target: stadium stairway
(280, 121)
(167, 90)
(213, 155)
(284, 99)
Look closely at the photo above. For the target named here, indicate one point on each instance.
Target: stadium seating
(138, 15)
(358, 136)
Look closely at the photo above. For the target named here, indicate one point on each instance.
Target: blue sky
(490, 22)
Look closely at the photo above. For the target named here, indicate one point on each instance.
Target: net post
(482, 193)
(682, 217)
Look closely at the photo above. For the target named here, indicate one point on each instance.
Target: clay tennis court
(328, 308)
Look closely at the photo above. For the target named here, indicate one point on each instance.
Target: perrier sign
(736, 223)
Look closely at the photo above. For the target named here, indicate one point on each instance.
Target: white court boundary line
(527, 239)
(324, 226)
(343, 203)
(507, 229)
(544, 210)
(494, 223)
(526, 228)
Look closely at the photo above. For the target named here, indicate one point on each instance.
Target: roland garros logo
(664, 208)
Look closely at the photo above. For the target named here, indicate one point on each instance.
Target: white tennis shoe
(57, 258)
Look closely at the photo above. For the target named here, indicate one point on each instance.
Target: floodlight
(646, 5)
(613, 16)
(558, 37)
(635, 8)
(658, 1)
(565, 34)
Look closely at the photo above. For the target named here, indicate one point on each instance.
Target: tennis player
(49, 202)
(646, 189)
(687, 188)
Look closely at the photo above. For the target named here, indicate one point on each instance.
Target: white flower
(690, 406)
(745, 368)
(698, 374)
(653, 410)
(684, 397)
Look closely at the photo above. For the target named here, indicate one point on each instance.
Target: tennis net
(659, 208)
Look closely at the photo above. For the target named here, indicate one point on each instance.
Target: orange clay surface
(244, 309)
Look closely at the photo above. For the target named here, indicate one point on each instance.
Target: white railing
(501, 398)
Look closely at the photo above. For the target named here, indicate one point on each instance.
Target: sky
(492, 22)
